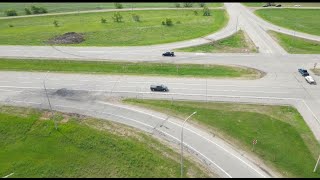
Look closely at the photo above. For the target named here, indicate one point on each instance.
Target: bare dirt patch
(67, 38)
(46, 115)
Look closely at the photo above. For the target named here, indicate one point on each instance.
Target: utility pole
(206, 90)
(315, 168)
(237, 23)
(181, 160)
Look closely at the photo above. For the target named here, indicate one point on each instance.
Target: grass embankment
(38, 30)
(126, 68)
(283, 4)
(237, 43)
(284, 141)
(303, 20)
(81, 147)
(296, 45)
(69, 7)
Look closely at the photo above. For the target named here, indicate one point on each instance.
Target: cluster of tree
(35, 10)
(117, 17)
(28, 11)
(189, 5)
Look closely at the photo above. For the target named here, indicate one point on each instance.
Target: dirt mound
(67, 38)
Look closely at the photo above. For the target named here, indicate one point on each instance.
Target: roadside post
(181, 143)
(45, 88)
(315, 168)
(254, 142)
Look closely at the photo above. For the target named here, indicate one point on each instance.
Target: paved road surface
(282, 85)
(91, 94)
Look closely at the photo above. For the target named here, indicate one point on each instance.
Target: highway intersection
(98, 95)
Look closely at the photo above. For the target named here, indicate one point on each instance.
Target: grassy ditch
(125, 68)
(81, 147)
(296, 45)
(237, 43)
(284, 141)
(130, 31)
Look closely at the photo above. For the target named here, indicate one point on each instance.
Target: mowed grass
(30, 147)
(303, 20)
(283, 4)
(284, 141)
(126, 68)
(69, 7)
(296, 45)
(237, 43)
(38, 30)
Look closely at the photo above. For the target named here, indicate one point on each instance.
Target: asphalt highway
(94, 94)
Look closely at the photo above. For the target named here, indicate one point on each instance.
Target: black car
(159, 88)
(278, 5)
(168, 54)
(303, 72)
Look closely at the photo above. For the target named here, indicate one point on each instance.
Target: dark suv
(168, 54)
(158, 88)
(303, 72)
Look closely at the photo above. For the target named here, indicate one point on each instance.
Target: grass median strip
(126, 68)
(130, 31)
(303, 20)
(284, 141)
(82, 147)
(237, 43)
(296, 45)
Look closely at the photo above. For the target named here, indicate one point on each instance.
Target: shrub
(163, 23)
(187, 4)
(136, 17)
(118, 5)
(178, 22)
(56, 23)
(206, 11)
(177, 5)
(169, 22)
(202, 4)
(27, 11)
(117, 17)
(38, 10)
(11, 12)
(43, 10)
(103, 20)
(10, 25)
(195, 12)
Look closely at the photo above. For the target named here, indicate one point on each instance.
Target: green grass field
(296, 45)
(126, 68)
(284, 141)
(236, 43)
(69, 7)
(303, 20)
(81, 147)
(284, 4)
(38, 30)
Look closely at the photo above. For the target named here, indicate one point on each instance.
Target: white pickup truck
(310, 80)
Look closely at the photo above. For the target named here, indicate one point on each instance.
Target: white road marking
(26, 102)
(8, 175)
(9, 90)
